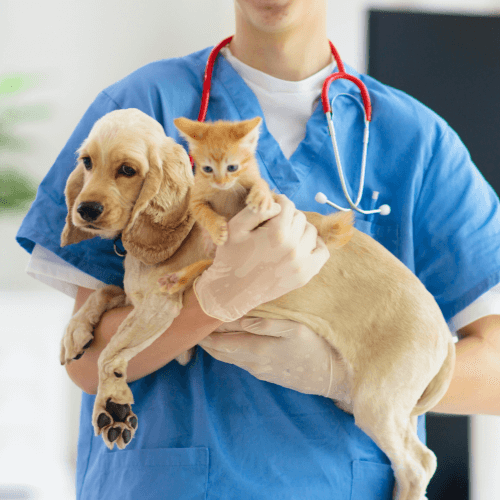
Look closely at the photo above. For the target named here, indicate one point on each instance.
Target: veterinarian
(216, 428)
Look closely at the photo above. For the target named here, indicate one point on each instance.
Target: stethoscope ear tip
(321, 198)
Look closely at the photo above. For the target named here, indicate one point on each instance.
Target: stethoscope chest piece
(382, 210)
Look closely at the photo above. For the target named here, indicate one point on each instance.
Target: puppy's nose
(90, 210)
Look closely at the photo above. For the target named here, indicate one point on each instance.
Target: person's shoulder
(389, 103)
(167, 76)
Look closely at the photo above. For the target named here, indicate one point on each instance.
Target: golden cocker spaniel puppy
(392, 344)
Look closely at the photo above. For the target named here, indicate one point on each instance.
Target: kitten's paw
(259, 200)
(219, 231)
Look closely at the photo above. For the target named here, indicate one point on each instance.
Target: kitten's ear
(191, 130)
(249, 132)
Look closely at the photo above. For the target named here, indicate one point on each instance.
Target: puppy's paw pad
(116, 423)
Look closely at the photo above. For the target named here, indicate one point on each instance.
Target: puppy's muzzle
(90, 210)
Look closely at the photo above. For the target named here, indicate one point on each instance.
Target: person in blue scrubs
(220, 430)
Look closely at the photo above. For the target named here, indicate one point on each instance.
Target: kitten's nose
(90, 210)
(223, 185)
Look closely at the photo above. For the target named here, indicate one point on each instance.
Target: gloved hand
(283, 352)
(259, 264)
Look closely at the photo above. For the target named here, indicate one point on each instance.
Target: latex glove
(283, 352)
(259, 264)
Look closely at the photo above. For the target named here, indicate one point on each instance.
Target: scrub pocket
(371, 481)
(165, 473)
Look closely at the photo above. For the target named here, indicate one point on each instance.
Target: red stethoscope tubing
(340, 74)
(207, 79)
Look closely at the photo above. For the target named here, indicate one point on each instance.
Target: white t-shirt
(287, 106)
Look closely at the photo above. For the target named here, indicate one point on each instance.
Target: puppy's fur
(150, 212)
(391, 342)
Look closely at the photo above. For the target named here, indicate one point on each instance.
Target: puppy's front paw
(115, 421)
(259, 200)
(78, 337)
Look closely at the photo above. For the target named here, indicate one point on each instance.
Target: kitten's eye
(207, 169)
(126, 171)
(232, 168)
(87, 162)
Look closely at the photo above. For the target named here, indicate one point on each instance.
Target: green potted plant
(17, 188)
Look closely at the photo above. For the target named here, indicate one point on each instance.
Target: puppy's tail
(438, 386)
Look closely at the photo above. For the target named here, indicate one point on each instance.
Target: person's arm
(247, 271)
(270, 348)
(189, 328)
(475, 387)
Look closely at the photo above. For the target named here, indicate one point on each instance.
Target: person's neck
(294, 55)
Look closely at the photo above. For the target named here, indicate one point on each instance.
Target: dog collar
(119, 249)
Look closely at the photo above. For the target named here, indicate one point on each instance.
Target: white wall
(76, 48)
(38, 407)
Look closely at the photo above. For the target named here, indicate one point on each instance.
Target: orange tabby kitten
(227, 178)
(227, 174)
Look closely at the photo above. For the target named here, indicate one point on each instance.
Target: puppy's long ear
(160, 220)
(70, 233)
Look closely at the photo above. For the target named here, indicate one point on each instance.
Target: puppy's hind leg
(396, 435)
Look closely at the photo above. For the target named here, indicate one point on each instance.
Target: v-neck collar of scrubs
(283, 101)
(285, 175)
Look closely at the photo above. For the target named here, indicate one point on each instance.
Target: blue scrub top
(210, 430)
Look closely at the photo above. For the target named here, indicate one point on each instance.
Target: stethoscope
(327, 108)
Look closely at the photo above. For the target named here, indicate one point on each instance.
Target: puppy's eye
(126, 171)
(207, 169)
(87, 162)
(232, 168)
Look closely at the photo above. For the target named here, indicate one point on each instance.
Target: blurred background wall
(62, 53)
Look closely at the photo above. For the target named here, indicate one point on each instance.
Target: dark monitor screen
(451, 63)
